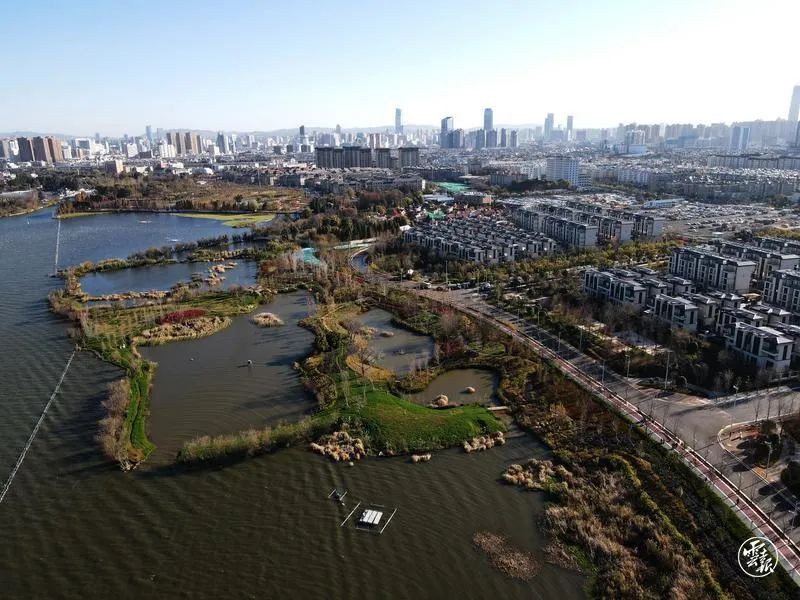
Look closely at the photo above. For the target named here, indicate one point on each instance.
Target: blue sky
(114, 67)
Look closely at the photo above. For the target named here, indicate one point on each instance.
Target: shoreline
(202, 214)
(29, 211)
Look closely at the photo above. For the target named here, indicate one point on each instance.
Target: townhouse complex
(578, 224)
(759, 333)
(746, 293)
(479, 238)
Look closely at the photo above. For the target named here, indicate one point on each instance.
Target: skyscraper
(149, 133)
(503, 138)
(54, 147)
(491, 138)
(25, 149)
(740, 138)
(488, 119)
(41, 149)
(222, 143)
(444, 133)
(569, 128)
(794, 107)
(398, 121)
(548, 126)
(302, 130)
(480, 139)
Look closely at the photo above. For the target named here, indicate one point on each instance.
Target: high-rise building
(190, 143)
(383, 158)
(445, 131)
(794, 107)
(480, 139)
(491, 138)
(488, 119)
(41, 149)
(513, 139)
(409, 157)
(5, 149)
(503, 138)
(398, 121)
(54, 147)
(548, 126)
(562, 168)
(569, 128)
(176, 140)
(302, 130)
(149, 133)
(740, 138)
(25, 149)
(456, 138)
(222, 143)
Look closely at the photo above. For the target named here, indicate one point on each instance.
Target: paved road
(701, 421)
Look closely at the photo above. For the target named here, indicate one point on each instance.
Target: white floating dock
(371, 517)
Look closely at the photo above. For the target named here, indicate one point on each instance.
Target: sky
(113, 67)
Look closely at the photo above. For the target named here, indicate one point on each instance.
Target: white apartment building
(782, 289)
(614, 287)
(563, 167)
(765, 347)
(711, 270)
(676, 311)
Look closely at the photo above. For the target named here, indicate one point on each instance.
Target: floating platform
(369, 517)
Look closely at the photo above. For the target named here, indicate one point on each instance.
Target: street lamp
(628, 363)
(666, 371)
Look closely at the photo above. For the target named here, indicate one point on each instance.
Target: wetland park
(224, 384)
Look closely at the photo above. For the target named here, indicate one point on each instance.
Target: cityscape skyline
(549, 124)
(608, 64)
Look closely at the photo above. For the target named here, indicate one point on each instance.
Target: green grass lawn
(232, 220)
(393, 423)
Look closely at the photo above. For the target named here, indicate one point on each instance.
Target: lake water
(454, 384)
(401, 353)
(75, 526)
(206, 386)
(163, 277)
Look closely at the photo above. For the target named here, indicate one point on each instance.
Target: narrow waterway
(75, 526)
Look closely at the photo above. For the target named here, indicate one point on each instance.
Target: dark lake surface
(163, 277)
(74, 526)
(454, 384)
(404, 351)
(206, 386)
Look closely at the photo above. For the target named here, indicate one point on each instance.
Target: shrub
(181, 316)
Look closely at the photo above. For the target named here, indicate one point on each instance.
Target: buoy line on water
(35, 429)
